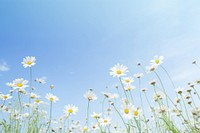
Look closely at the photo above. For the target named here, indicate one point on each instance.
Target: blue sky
(76, 42)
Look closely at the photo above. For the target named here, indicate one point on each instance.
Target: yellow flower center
(119, 72)
(129, 88)
(51, 98)
(70, 111)
(105, 121)
(19, 84)
(136, 113)
(37, 100)
(126, 111)
(5, 97)
(157, 61)
(29, 62)
(127, 81)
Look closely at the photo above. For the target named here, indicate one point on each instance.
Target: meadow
(24, 111)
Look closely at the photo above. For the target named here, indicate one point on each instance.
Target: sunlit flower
(136, 112)
(129, 87)
(157, 60)
(127, 111)
(118, 70)
(105, 121)
(33, 95)
(95, 115)
(5, 97)
(51, 97)
(10, 84)
(20, 83)
(107, 94)
(179, 90)
(151, 68)
(70, 109)
(176, 112)
(158, 96)
(28, 61)
(41, 80)
(114, 96)
(162, 109)
(127, 80)
(138, 75)
(90, 95)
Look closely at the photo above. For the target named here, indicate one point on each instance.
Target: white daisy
(90, 95)
(127, 111)
(51, 97)
(5, 97)
(127, 80)
(151, 68)
(138, 75)
(136, 112)
(70, 109)
(179, 90)
(129, 87)
(157, 60)
(114, 96)
(33, 95)
(158, 96)
(105, 121)
(118, 70)
(28, 61)
(10, 84)
(41, 80)
(95, 115)
(20, 83)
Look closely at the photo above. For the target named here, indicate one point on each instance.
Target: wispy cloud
(3, 66)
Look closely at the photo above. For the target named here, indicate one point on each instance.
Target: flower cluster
(136, 105)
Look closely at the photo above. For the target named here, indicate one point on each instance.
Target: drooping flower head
(90, 95)
(118, 70)
(28, 61)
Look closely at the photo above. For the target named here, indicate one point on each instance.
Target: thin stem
(121, 117)
(123, 87)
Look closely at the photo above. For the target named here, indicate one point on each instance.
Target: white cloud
(3, 66)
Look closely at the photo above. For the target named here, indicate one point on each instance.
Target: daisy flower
(105, 121)
(51, 97)
(20, 83)
(151, 68)
(136, 112)
(158, 96)
(179, 90)
(127, 111)
(114, 96)
(70, 109)
(33, 95)
(5, 97)
(127, 80)
(41, 80)
(28, 61)
(90, 95)
(10, 84)
(157, 60)
(95, 115)
(138, 75)
(129, 87)
(118, 70)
